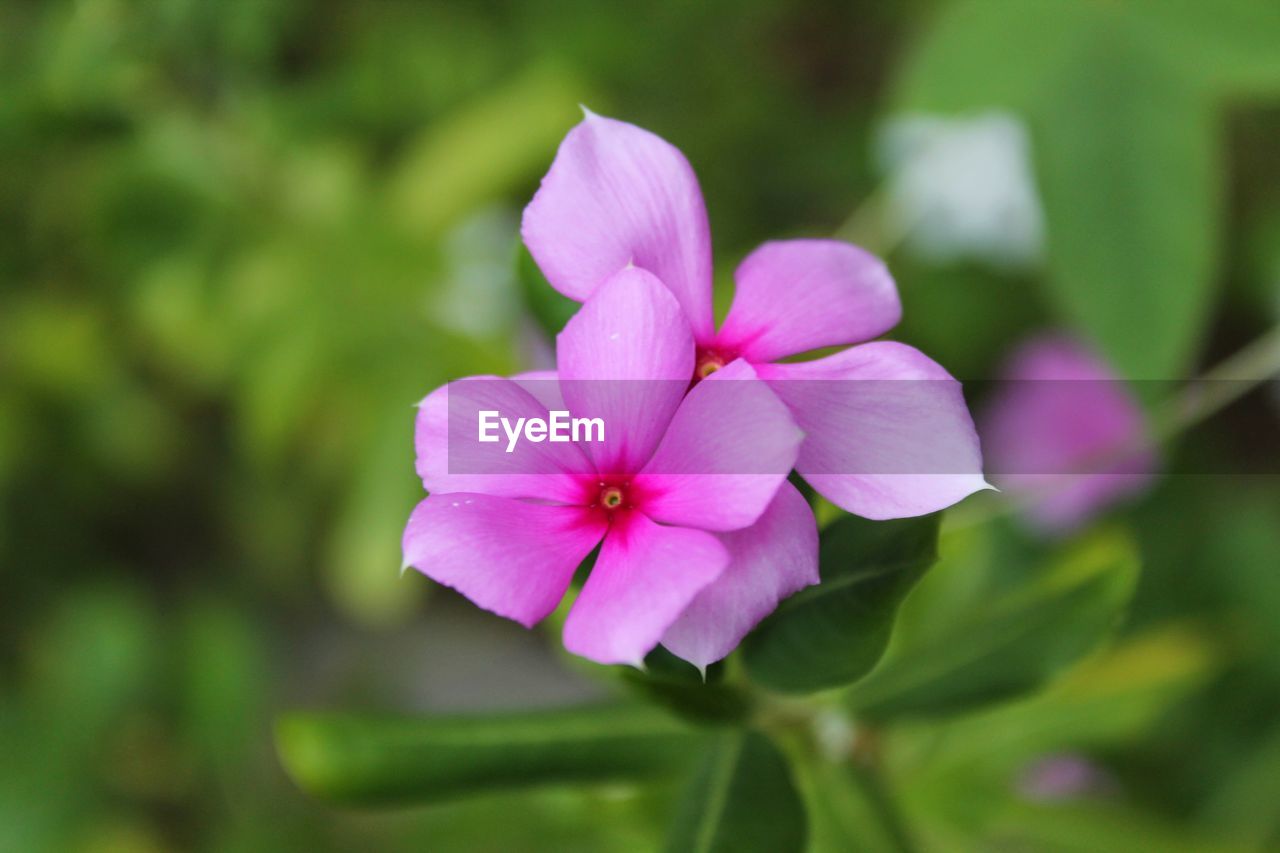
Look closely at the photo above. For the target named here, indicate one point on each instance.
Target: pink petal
(887, 431)
(730, 445)
(619, 195)
(626, 357)
(768, 561)
(798, 295)
(543, 386)
(450, 457)
(1065, 436)
(645, 576)
(511, 557)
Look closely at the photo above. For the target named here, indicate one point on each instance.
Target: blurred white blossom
(962, 188)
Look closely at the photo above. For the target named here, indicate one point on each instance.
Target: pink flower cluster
(700, 534)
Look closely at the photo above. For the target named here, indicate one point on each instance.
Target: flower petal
(768, 561)
(887, 431)
(626, 357)
(450, 457)
(1065, 436)
(510, 557)
(730, 445)
(544, 386)
(798, 295)
(617, 195)
(645, 576)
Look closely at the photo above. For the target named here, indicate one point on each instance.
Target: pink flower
(1065, 435)
(1066, 776)
(618, 195)
(693, 552)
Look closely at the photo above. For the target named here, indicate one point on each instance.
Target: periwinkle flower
(1064, 435)
(700, 534)
(1065, 776)
(878, 447)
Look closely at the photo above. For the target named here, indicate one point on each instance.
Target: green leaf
(741, 800)
(1129, 174)
(679, 686)
(1233, 42)
(384, 759)
(1106, 699)
(1009, 644)
(832, 634)
(1121, 98)
(960, 769)
(953, 67)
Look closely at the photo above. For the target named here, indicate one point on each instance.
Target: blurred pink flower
(1065, 776)
(1064, 436)
(693, 552)
(618, 195)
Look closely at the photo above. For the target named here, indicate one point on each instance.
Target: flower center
(707, 363)
(709, 366)
(611, 497)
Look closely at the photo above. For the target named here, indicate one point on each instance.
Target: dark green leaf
(741, 800)
(678, 685)
(1009, 644)
(372, 759)
(832, 634)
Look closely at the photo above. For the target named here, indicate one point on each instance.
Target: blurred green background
(239, 240)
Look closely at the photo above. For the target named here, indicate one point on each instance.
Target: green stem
(871, 781)
(1220, 386)
(845, 784)
(873, 226)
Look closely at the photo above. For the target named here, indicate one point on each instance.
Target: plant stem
(874, 226)
(848, 773)
(1220, 386)
(870, 779)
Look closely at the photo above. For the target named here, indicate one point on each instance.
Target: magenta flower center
(611, 495)
(708, 362)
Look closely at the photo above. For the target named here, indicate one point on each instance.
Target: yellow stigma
(709, 366)
(611, 497)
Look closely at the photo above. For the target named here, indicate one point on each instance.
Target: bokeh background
(239, 240)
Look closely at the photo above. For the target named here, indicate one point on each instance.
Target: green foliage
(698, 697)
(741, 799)
(1123, 99)
(1010, 643)
(1104, 700)
(478, 154)
(396, 760)
(832, 634)
(242, 239)
(1132, 252)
